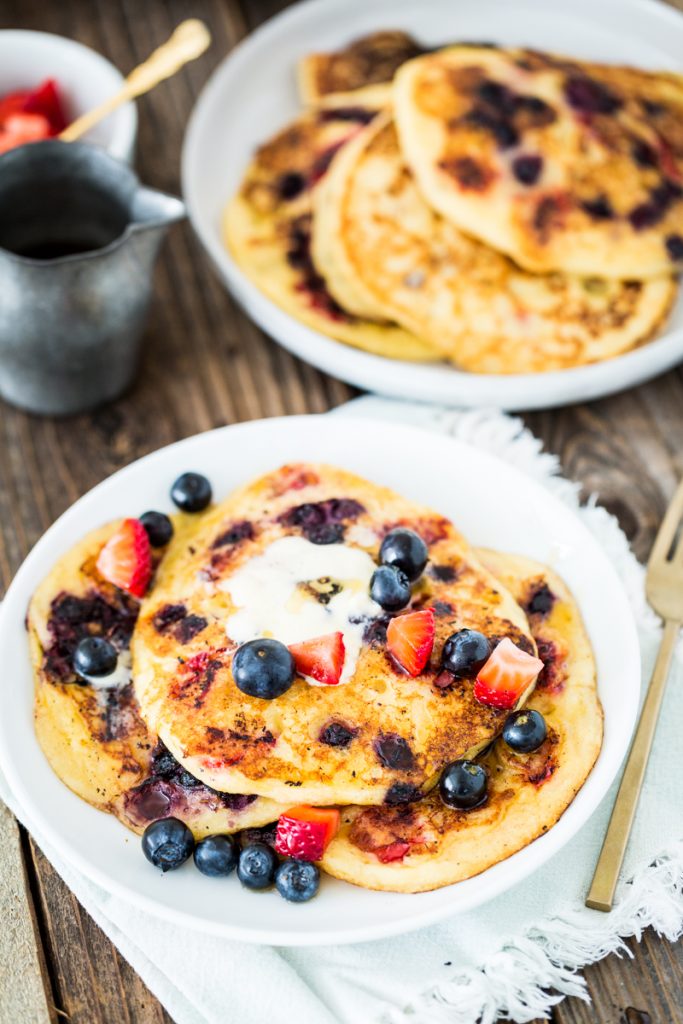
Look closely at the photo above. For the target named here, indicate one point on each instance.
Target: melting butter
(295, 590)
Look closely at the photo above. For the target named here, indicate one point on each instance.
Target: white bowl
(252, 94)
(84, 78)
(500, 507)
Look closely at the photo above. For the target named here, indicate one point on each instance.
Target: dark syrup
(54, 250)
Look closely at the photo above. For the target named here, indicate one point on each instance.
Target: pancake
(366, 61)
(385, 253)
(560, 164)
(290, 556)
(267, 225)
(436, 845)
(94, 739)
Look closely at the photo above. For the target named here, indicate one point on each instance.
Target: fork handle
(601, 893)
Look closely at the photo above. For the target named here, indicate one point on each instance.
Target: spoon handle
(188, 42)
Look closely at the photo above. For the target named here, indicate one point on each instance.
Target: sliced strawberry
(667, 161)
(321, 659)
(126, 558)
(46, 100)
(394, 851)
(506, 675)
(20, 128)
(13, 103)
(305, 832)
(410, 639)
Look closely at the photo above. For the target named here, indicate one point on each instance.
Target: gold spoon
(188, 42)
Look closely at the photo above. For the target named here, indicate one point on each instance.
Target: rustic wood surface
(206, 365)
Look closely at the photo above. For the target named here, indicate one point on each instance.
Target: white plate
(494, 505)
(252, 94)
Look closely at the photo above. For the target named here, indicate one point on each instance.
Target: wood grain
(26, 993)
(205, 365)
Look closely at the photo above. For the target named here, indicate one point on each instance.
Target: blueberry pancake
(520, 786)
(560, 164)
(385, 252)
(267, 225)
(369, 60)
(297, 674)
(91, 732)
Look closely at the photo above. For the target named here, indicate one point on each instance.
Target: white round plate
(252, 94)
(491, 502)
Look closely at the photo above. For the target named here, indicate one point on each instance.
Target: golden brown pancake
(366, 61)
(301, 543)
(560, 164)
(267, 225)
(433, 845)
(94, 739)
(384, 252)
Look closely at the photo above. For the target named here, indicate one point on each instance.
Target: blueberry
(187, 780)
(326, 533)
(256, 866)
(465, 652)
(590, 96)
(216, 856)
(337, 735)
(159, 528)
(191, 492)
(290, 185)
(167, 843)
(263, 668)
(394, 752)
(297, 880)
(524, 731)
(600, 208)
(674, 247)
(496, 95)
(643, 154)
(402, 793)
(406, 550)
(527, 168)
(463, 785)
(390, 588)
(94, 656)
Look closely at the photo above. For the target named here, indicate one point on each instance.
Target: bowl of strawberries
(47, 81)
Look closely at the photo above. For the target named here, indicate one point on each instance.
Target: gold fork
(664, 588)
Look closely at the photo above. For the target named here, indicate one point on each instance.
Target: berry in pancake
(561, 164)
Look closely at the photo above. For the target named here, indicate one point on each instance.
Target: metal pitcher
(79, 237)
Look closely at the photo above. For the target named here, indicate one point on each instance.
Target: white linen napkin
(516, 956)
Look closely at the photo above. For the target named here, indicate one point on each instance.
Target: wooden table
(206, 365)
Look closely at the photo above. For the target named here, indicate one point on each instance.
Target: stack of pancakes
(508, 210)
(182, 740)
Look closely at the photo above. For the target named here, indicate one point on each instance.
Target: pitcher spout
(153, 209)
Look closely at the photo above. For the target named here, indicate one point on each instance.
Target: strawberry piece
(46, 100)
(126, 558)
(321, 659)
(20, 128)
(13, 103)
(305, 832)
(410, 639)
(394, 851)
(506, 675)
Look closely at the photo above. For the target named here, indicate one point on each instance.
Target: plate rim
(545, 846)
(427, 382)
